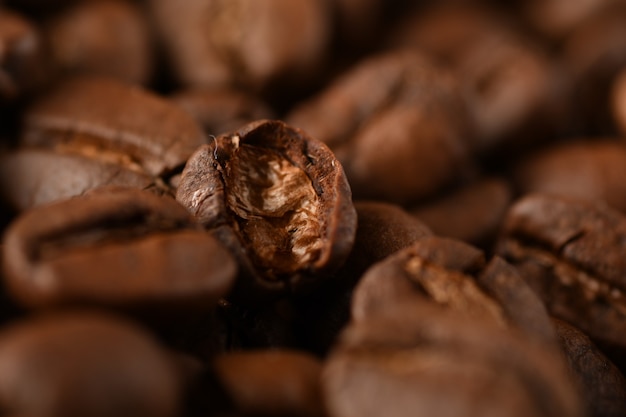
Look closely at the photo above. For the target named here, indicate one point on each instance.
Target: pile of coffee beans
(312, 208)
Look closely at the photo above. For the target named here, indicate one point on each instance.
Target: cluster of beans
(312, 208)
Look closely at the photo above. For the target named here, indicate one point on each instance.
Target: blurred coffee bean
(278, 199)
(471, 213)
(22, 60)
(592, 57)
(256, 45)
(119, 248)
(592, 170)
(31, 177)
(396, 122)
(221, 111)
(106, 119)
(557, 18)
(84, 364)
(425, 360)
(272, 382)
(602, 385)
(511, 85)
(107, 37)
(572, 253)
(456, 275)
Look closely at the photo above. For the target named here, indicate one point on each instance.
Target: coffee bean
(121, 248)
(571, 252)
(85, 364)
(108, 37)
(396, 122)
(455, 275)
(31, 177)
(417, 359)
(592, 170)
(278, 198)
(602, 385)
(105, 118)
(272, 382)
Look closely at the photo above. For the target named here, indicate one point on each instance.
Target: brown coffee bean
(396, 122)
(592, 170)
(453, 274)
(592, 57)
(107, 119)
(278, 198)
(221, 111)
(119, 248)
(21, 55)
(84, 364)
(240, 42)
(510, 84)
(271, 382)
(31, 177)
(425, 360)
(572, 253)
(106, 37)
(471, 213)
(602, 385)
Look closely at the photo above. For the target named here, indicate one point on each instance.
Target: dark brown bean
(592, 170)
(278, 198)
(424, 360)
(105, 118)
(84, 364)
(602, 385)
(120, 248)
(31, 177)
(215, 43)
(109, 37)
(396, 122)
(272, 382)
(455, 275)
(572, 253)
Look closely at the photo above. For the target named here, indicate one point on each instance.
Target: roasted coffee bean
(592, 57)
(85, 364)
(21, 55)
(106, 119)
(556, 19)
(271, 382)
(278, 198)
(471, 213)
(254, 44)
(106, 37)
(221, 111)
(30, 177)
(120, 248)
(396, 122)
(511, 86)
(456, 275)
(602, 385)
(572, 253)
(592, 170)
(425, 360)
